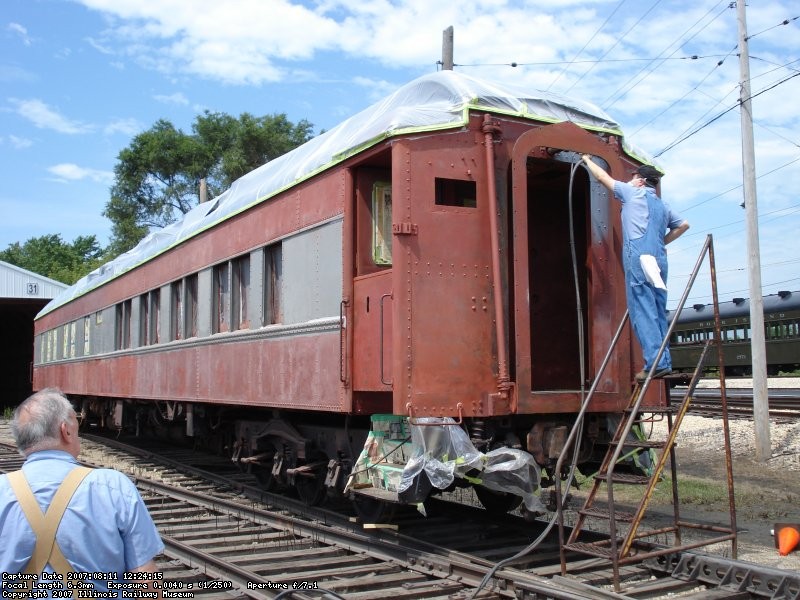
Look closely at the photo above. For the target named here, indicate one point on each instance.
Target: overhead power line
(614, 45)
(594, 35)
(643, 74)
(736, 187)
(720, 115)
(587, 61)
(784, 22)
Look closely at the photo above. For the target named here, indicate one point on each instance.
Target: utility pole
(447, 49)
(757, 343)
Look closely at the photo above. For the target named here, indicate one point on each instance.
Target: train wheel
(497, 503)
(310, 486)
(372, 510)
(262, 470)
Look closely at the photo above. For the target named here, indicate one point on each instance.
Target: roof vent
(738, 301)
(784, 293)
(698, 306)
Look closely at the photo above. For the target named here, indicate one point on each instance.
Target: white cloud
(41, 115)
(72, 172)
(100, 47)
(16, 74)
(125, 126)
(20, 143)
(177, 99)
(19, 30)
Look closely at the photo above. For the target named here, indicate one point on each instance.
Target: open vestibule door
(566, 235)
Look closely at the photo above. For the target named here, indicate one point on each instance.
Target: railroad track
(784, 403)
(226, 538)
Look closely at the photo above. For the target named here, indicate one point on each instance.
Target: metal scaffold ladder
(627, 541)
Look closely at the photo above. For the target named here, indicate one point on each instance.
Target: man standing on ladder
(648, 225)
(57, 517)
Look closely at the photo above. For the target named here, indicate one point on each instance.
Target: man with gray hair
(57, 517)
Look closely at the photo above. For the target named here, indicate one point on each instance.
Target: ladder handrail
(707, 249)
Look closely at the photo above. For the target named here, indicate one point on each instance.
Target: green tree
(157, 176)
(52, 257)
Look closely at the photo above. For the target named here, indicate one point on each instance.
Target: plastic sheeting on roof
(437, 101)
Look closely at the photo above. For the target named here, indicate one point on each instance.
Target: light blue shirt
(106, 527)
(635, 214)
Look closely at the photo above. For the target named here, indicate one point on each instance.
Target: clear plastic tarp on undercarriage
(399, 454)
(443, 451)
(439, 100)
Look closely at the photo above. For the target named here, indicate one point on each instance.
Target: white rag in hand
(651, 270)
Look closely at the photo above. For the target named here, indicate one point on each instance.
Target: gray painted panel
(79, 329)
(164, 322)
(136, 322)
(312, 273)
(204, 303)
(255, 301)
(104, 340)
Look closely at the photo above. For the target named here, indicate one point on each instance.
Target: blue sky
(80, 78)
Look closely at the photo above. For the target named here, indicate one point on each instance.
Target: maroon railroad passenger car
(419, 260)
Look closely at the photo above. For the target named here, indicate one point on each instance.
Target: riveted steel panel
(444, 351)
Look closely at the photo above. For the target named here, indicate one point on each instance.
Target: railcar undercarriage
(379, 462)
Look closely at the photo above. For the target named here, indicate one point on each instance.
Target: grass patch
(691, 490)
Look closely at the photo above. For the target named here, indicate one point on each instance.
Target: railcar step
(590, 548)
(656, 410)
(602, 513)
(641, 443)
(628, 478)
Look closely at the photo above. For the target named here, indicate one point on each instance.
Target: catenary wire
(720, 115)
(589, 41)
(614, 45)
(736, 187)
(622, 90)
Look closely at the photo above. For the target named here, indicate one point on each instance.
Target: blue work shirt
(635, 213)
(105, 529)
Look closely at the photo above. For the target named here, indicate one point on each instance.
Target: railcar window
(144, 320)
(46, 347)
(793, 329)
(72, 330)
(240, 274)
(65, 340)
(87, 346)
(122, 337)
(176, 310)
(382, 223)
(455, 192)
(273, 272)
(190, 306)
(221, 298)
(154, 313)
(148, 317)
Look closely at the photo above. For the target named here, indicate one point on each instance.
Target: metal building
(22, 295)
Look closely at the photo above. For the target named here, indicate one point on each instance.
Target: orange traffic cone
(787, 537)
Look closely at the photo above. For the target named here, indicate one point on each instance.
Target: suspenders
(45, 525)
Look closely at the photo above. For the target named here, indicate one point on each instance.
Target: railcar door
(566, 235)
(372, 291)
(444, 348)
